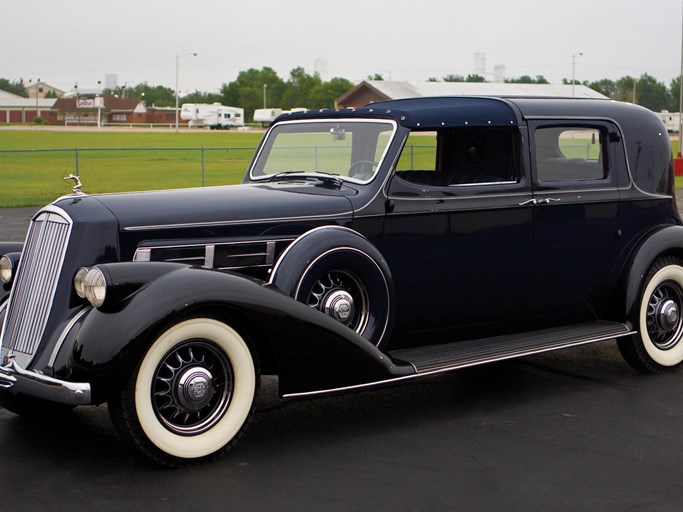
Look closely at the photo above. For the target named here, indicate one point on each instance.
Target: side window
(566, 153)
(461, 156)
(419, 152)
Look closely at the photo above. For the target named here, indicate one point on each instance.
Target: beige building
(41, 90)
(370, 91)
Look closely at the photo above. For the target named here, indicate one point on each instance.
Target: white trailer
(670, 119)
(215, 116)
(266, 116)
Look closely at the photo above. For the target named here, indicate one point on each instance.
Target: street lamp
(574, 55)
(177, 62)
(680, 102)
(265, 88)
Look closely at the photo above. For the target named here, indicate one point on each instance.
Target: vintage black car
(365, 246)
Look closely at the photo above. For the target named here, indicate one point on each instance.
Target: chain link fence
(32, 177)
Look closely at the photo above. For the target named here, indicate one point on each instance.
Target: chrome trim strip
(438, 198)
(301, 237)
(449, 368)
(209, 255)
(65, 333)
(334, 216)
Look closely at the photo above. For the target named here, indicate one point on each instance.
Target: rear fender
(313, 352)
(666, 241)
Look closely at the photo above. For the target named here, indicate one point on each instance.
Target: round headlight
(79, 281)
(95, 287)
(6, 270)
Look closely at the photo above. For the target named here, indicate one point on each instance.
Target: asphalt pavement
(573, 430)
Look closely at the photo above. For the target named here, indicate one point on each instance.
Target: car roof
(451, 111)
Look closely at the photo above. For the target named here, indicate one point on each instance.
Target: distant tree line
(646, 90)
(302, 89)
(250, 89)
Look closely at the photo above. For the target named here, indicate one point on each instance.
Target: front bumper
(19, 382)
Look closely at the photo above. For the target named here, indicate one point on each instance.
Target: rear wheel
(658, 345)
(192, 395)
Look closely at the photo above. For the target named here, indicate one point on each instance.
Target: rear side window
(565, 153)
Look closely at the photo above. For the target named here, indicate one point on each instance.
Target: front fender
(312, 351)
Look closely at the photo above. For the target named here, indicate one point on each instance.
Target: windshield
(350, 149)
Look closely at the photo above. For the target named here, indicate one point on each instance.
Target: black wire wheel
(658, 345)
(349, 286)
(192, 394)
(341, 295)
(192, 387)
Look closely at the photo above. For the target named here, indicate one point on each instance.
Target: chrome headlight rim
(79, 281)
(91, 284)
(9, 264)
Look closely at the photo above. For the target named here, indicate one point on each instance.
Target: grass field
(117, 161)
(34, 177)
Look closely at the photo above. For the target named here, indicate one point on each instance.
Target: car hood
(235, 203)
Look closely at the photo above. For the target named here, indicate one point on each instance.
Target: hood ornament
(76, 189)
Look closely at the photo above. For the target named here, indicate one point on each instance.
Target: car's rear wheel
(658, 345)
(191, 396)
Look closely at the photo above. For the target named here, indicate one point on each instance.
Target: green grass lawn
(117, 161)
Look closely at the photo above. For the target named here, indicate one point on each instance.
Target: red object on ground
(678, 166)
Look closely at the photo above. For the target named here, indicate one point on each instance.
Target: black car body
(365, 246)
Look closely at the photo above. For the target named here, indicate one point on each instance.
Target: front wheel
(191, 396)
(658, 345)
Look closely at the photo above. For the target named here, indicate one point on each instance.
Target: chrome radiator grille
(36, 282)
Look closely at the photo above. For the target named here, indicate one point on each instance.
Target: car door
(576, 231)
(459, 247)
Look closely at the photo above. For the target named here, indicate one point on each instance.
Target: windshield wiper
(323, 176)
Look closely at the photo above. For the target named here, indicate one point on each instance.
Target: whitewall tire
(192, 394)
(658, 346)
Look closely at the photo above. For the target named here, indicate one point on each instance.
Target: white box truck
(215, 116)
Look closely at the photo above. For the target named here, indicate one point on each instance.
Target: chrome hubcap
(341, 295)
(192, 387)
(339, 305)
(195, 388)
(668, 315)
(664, 326)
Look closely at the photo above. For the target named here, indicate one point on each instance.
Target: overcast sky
(79, 41)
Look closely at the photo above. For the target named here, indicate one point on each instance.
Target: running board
(462, 354)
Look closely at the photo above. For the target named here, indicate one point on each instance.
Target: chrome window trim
(377, 120)
(461, 198)
(632, 182)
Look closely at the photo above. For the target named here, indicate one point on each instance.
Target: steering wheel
(362, 174)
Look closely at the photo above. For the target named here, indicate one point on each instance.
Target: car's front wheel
(658, 345)
(191, 396)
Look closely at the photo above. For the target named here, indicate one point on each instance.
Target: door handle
(528, 202)
(549, 200)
